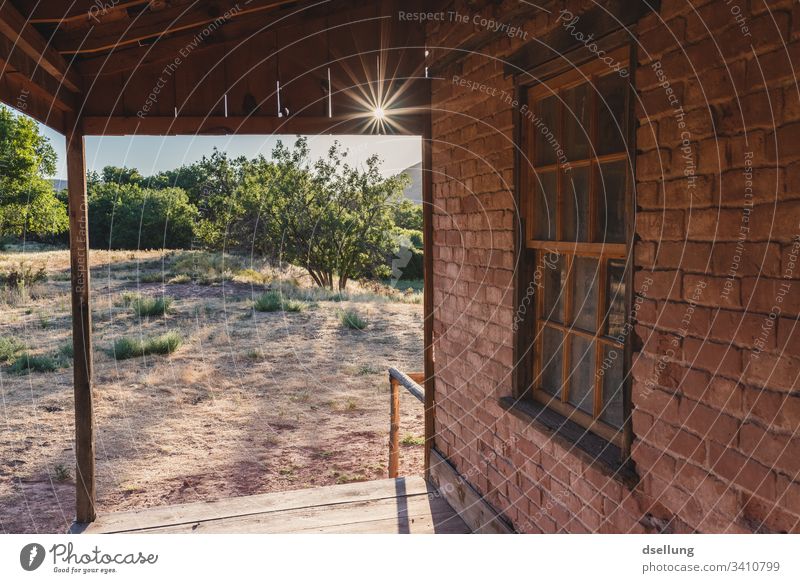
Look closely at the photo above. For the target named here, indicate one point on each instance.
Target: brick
(742, 471)
(746, 258)
(683, 255)
(707, 422)
(660, 226)
(711, 291)
(777, 451)
(779, 372)
(720, 359)
(713, 224)
(742, 328)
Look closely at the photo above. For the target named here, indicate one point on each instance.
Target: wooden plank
(154, 24)
(41, 81)
(427, 296)
(476, 513)
(399, 512)
(118, 126)
(394, 427)
(81, 330)
(75, 11)
(27, 39)
(247, 505)
(17, 92)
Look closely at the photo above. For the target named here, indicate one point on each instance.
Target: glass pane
(615, 300)
(611, 202)
(545, 129)
(576, 122)
(552, 359)
(585, 276)
(576, 204)
(581, 378)
(611, 91)
(555, 278)
(611, 372)
(544, 217)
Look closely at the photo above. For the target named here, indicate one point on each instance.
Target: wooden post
(81, 329)
(394, 428)
(427, 231)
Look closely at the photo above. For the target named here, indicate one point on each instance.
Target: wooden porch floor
(399, 506)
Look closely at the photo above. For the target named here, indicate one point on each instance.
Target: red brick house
(612, 220)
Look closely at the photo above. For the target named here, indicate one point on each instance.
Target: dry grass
(252, 402)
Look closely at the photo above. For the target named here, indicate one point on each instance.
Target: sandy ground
(251, 403)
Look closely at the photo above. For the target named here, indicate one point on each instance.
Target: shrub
(206, 268)
(9, 348)
(24, 277)
(125, 347)
(145, 307)
(127, 216)
(27, 363)
(352, 320)
(274, 301)
(268, 302)
(180, 279)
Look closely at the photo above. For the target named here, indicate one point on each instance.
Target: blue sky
(152, 154)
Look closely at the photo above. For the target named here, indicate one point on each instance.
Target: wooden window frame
(529, 343)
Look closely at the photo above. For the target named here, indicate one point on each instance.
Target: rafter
(60, 12)
(26, 39)
(149, 25)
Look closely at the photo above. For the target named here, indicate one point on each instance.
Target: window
(575, 190)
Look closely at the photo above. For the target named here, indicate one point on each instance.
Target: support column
(81, 329)
(427, 232)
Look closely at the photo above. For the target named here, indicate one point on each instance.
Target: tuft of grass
(28, 363)
(125, 347)
(409, 440)
(61, 473)
(250, 275)
(9, 349)
(44, 321)
(352, 319)
(151, 277)
(180, 279)
(145, 307)
(273, 301)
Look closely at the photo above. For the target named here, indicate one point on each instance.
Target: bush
(27, 363)
(24, 277)
(145, 307)
(352, 320)
(127, 216)
(273, 301)
(9, 348)
(206, 268)
(125, 347)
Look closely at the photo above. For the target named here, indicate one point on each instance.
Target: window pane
(585, 276)
(555, 276)
(545, 130)
(615, 300)
(611, 202)
(544, 219)
(575, 197)
(612, 375)
(611, 91)
(552, 359)
(581, 378)
(576, 122)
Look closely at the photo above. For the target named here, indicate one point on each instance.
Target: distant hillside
(414, 190)
(58, 184)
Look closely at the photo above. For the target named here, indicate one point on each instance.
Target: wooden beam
(81, 329)
(149, 25)
(16, 91)
(394, 427)
(14, 26)
(172, 126)
(427, 297)
(76, 11)
(34, 77)
(473, 509)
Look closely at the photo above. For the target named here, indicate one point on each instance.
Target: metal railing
(412, 383)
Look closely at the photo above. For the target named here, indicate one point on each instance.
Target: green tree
(331, 218)
(28, 204)
(127, 216)
(122, 175)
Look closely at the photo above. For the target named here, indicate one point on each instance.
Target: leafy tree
(408, 215)
(127, 216)
(28, 204)
(122, 175)
(331, 218)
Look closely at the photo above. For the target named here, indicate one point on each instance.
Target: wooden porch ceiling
(130, 60)
(395, 506)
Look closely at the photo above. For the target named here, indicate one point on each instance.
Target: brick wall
(716, 401)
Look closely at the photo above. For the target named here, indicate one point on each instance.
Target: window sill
(593, 449)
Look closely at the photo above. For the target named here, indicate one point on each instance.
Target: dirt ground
(252, 402)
